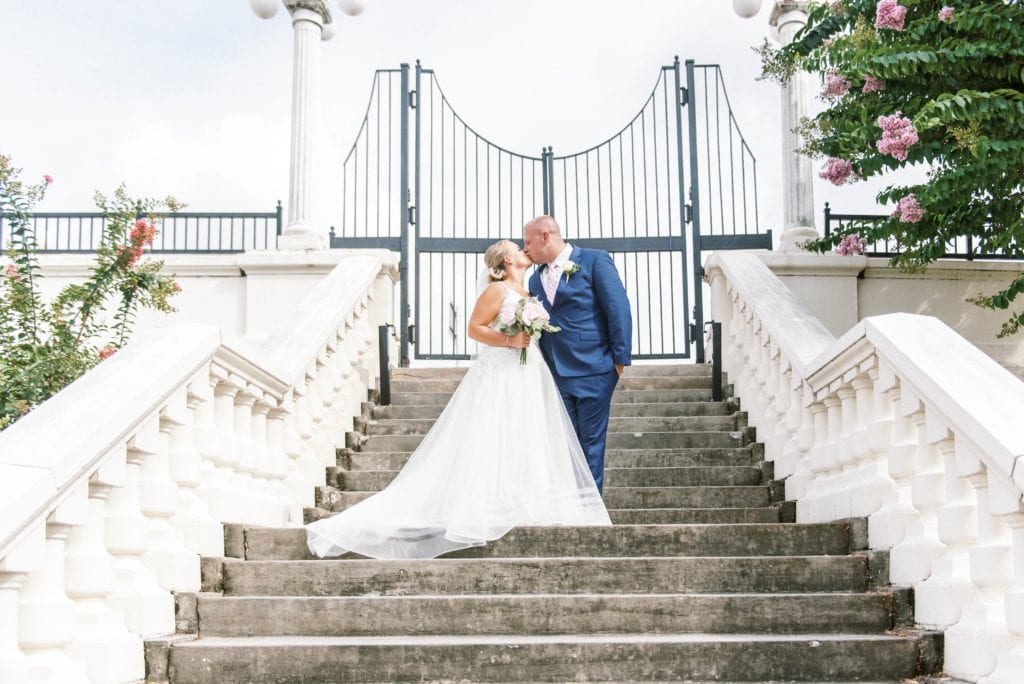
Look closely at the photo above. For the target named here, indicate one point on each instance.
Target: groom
(586, 299)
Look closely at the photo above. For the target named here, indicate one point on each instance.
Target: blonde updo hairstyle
(494, 260)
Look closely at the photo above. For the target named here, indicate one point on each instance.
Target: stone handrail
(903, 422)
(112, 490)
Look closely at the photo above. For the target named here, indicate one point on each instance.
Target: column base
(793, 238)
(300, 238)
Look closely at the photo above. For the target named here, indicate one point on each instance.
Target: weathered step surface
(626, 383)
(749, 455)
(618, 410)
(770, 539)
(735, 421)
(759, 613)
(505, 658)
(375, 480)
(694, 516)
(616, 440)
(720, 575)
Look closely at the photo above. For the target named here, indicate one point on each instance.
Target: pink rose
(507, 315)
(534, 312)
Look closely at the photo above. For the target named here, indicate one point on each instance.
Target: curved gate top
(677, 179)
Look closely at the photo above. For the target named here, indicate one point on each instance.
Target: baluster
(245, 449)
(273, 504)
(807, 508)
(176, 568)
(202, 533)
(799, 447)
(26, 556)
(771, 417)
(322, 451)
(111, 653)
(787, 421)
(299, 481)
(46, 616)
(280, 464)
(981, 632)
(234, 503)
(888, 525)
(873, 425)
(756, 396)
(148, 610)
(938, 600)
(1010, 663)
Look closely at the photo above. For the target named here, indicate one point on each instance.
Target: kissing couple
(522, 440)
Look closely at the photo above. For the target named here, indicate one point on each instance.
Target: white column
(301, 231)
(797, 175)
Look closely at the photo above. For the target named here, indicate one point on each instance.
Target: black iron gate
(420, 181)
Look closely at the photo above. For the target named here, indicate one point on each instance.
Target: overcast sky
(192, 97)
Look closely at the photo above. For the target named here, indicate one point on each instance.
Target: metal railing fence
(191, 232)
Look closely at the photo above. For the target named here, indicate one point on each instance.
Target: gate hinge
(414, 99)
(412, 214)
(684, 96)
(688, 213)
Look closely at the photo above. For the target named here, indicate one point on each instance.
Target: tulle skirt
(502, 454)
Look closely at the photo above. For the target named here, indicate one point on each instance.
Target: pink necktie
(551, 281)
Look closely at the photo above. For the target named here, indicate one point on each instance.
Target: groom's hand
(619, 368)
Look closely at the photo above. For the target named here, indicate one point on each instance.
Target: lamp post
(312, 23)
(786, 19)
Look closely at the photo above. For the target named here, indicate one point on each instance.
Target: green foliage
(44, 346)
(960, 82)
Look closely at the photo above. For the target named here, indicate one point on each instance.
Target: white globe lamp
(746, 8)
(264, 9)
(353, 8)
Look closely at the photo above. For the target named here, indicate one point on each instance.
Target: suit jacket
(592, 310)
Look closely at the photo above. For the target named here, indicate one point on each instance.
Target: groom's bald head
(542, 240)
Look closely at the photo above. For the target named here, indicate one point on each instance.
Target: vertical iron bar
(544, 179)
(385, 373)
(828, 219)
(403, 200)
(551, 178)
(716, 361)
(698, 299)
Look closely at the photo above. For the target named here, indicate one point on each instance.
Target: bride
(502, 454)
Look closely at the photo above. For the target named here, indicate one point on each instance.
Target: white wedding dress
(502, 454)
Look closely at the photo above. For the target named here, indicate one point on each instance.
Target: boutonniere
(569, 268)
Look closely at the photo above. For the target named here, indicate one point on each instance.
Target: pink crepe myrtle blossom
(890, 14)
(107, 352)
(898, 133)
(946, 15)
(47, 178)
(12, 272)
(872, 84)
(908, 210)
(835, 85)
(851, 244)
(838, 171)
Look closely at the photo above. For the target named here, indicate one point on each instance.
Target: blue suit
(592, 310)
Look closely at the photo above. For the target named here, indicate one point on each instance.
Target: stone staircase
(703, 576)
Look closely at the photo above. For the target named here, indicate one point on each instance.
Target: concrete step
(679, 408)
(376, 480)
(687, 497)
(616, 440)
(625, 383)
(535, 614)
(769, 539)
(750, 454)
(693, 516)
(736, 421)
(504, 658)
(545, 576)
(627, 396)
(645, 370)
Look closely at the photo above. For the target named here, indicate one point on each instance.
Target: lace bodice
(488, 354)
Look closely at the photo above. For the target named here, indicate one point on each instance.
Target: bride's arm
(485, 311)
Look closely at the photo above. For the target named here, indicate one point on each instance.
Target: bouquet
(525, 315)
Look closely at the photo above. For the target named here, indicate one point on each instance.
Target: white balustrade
(905, 423)
(113, 489)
